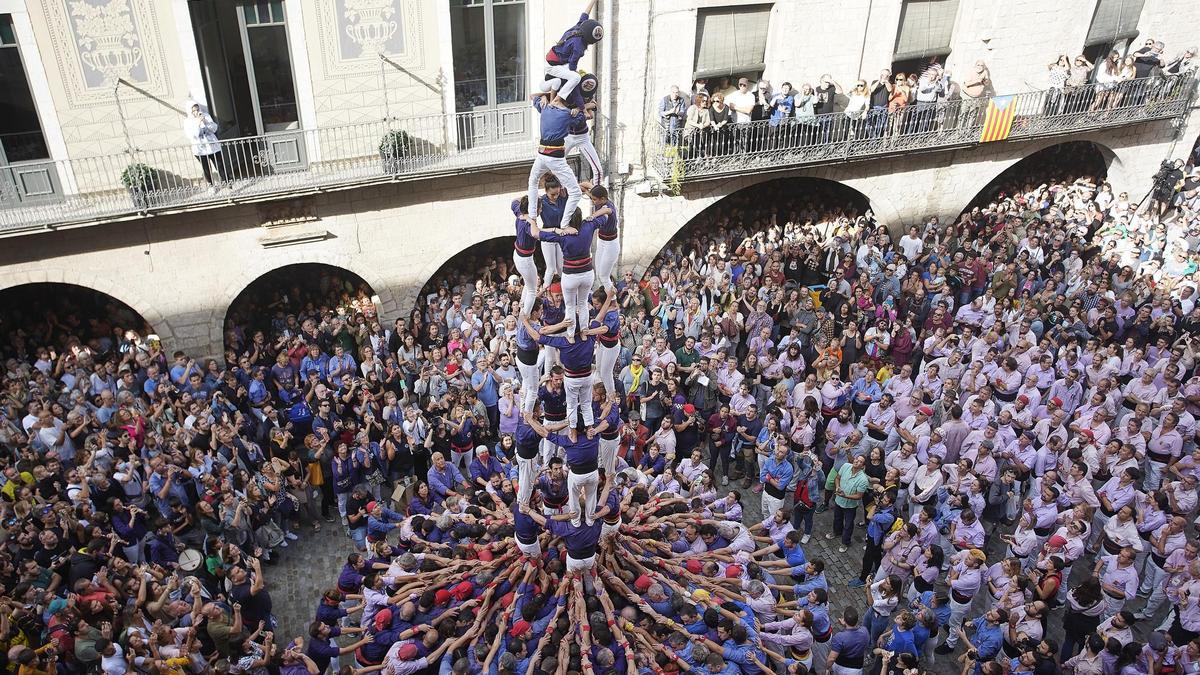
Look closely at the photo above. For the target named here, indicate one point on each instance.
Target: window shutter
(731, 40)
(1114, 20)
(926, 27)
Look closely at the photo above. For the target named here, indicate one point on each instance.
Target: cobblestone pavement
(311, 565)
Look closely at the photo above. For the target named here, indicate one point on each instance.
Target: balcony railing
(75, 191)
(681, 155)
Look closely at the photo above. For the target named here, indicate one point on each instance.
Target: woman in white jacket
(201, 130)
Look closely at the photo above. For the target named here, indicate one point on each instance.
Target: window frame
(752, 70)
(14, 44)
(492, 75)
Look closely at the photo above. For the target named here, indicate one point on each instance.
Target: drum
(190, 560)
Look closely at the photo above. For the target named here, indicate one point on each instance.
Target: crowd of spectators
(717, 116)
(984, 406)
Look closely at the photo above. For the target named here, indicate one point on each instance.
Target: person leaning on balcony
(741, 102)
(722, 122)
(699, 123)
(898, 101)
(672, 112)
(856, 107)
(975, 89)
(1149, 57)
(951, 99)
(1077, 91)
(201, 130)
(1183, 64)
(881, 92)
(1107, 77)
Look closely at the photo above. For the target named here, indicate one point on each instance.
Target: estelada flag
(997, 122)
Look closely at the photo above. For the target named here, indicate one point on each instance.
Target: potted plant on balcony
(394, 149)
(137, 178)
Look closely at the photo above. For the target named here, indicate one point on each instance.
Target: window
(1114, 21)
(21, 138)
(268, 58)
(731, 42)
(489, 53)
(926, 28)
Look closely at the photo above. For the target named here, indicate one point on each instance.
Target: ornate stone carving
(99, 41)
(108, 41)
(353, 33)
(371, 25)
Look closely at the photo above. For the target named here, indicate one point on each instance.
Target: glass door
(490, 73)
(25, 170)
(272, 84)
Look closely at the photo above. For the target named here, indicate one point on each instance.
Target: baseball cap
(383, 618)
(407, 652)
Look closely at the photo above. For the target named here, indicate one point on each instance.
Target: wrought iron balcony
(38, 195)
(681, 155)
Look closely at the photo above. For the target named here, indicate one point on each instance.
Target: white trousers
(578, 396)
(549, 448)
(529, 276)
(958, 611)
(530, 376)
(608, 454)
(574, 565)
(561, 79)
(583, 142)
(771, 504)
(543, 164)
(607, 253)
(576, 288)
(590, 481)
(534, 549)
(552, 254)
(549, 359)
(606, 362)
(527, 471)
(1152, 577)
(1112, 606)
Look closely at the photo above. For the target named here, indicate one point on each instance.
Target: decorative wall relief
(98, 42)
(107, 40)
(371, 27)
(353, 33)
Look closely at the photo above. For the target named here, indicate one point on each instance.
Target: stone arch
(240, 279)
(243, 295)
(1038, 151)
(104, 284)
(641, 244)
(25, 305)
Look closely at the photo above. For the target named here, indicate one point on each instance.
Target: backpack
(801, 496)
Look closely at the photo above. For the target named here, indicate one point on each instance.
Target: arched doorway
(67, 317)
(768, 213)
(279, 302)
(488, 263)
(1063, 162)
